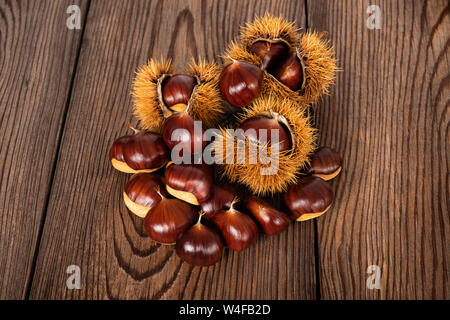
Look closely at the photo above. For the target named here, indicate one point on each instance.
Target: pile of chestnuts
(270, 81)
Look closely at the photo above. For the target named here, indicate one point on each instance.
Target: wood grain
(88, 225)
(37, 58)
(389, 118)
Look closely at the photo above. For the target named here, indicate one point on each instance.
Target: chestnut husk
(205, 102)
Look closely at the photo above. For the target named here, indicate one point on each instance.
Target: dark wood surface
(37, 61)
(389, 118)
(65, 98)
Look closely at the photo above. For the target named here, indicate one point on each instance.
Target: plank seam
(29, 282)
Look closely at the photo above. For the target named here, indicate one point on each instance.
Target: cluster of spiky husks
(270, 27)
(205, 103)
(316, 54)
(252, 164)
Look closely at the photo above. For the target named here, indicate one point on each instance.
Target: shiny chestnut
(167, 220)
(240, 83)
(178, 89)
(325, 163)
(290, 72)
(309, 198)
(263, 129)
(269, 219)
(142, 192)
(270, 53)
(222, 198)
(237, 228)
(200, 245)
(142, 152)
(179, 131)
(192, 183)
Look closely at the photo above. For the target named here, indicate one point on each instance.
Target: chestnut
(309, 198)
(142, 152)
(269, 219)
(192, 183)
(270, 53)
(200, 245)
(167, 220)
(253, 128)
(187, 135)
(325, 163)
(221, 199)
(177, 89)
(290, 72)
(237, 228)
(240, 83)
(142, 192)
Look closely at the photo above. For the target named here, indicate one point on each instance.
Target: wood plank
(87, 223)
(37, 58)
(389, 118)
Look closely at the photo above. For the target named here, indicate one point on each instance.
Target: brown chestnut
(325, 163)
(237, 228)
(255, 126)
(180, 128)
(240, 83)
(269, 219)
(168, 219)
(177, 89)
(290, 72)
(270, 53)
(200, 245)
(142, 192)
(142, 152)
(192, 183)
(309, 198)
(221, 199)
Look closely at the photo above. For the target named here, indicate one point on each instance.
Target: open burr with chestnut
(159, 93)
(272, 57)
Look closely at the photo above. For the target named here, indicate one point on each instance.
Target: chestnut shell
(240, 83)
(200, 246)
(271, 220)
(192, 178)
(310, 195)
(145, 150)
(166, 221)
(146, 189)
(270, 53)
(290, 72)
(268, 124)
(237, 228)
(178, 89)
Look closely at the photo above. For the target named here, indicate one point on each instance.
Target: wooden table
(65, 97)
